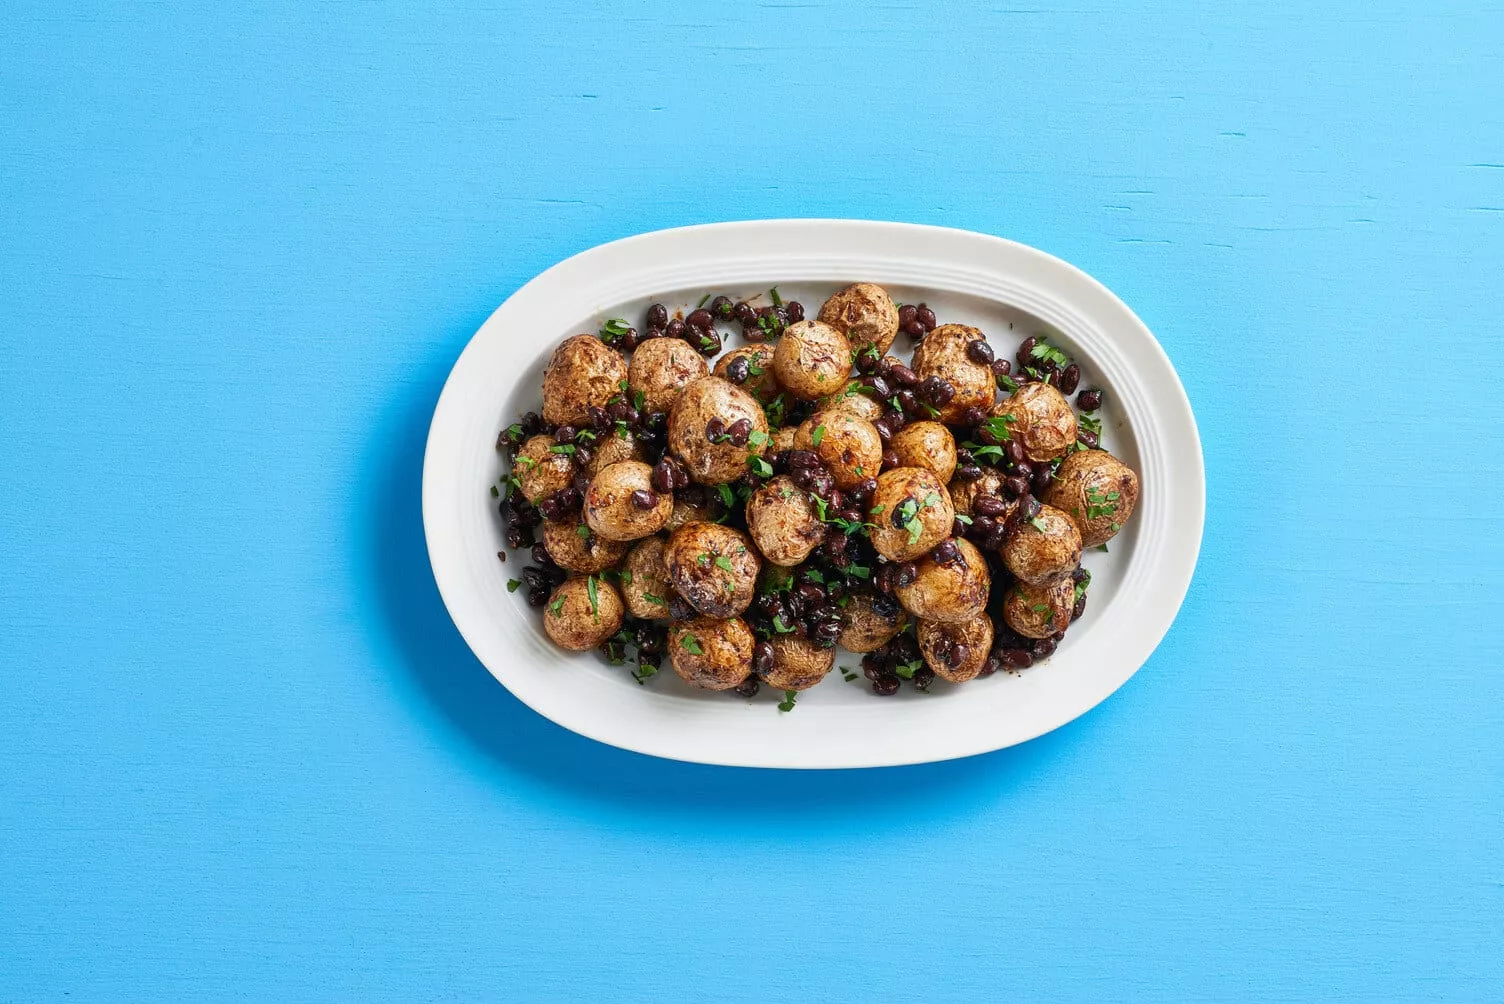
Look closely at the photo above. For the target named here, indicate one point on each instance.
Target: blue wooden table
(244, 755)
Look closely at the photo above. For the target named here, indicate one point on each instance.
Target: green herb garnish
(691, 644)
(512, 585)
(773, 295)
(759, 466)
(1047, 352)
(614, 328)
(722, 562)
(562, 448)
(595, 599)
(789, 698)
(817, 435)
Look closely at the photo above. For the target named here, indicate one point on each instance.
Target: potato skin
(932, 508)
(850, 447)
(783, 439)
(926, 444)
(582, 372)
(696, 558)
(706, 398)
(644, 580)
(943, 354)
(686, 511)
(724, 656)
(1085, 484)
(1036, 555)
(539, 471)
(937, 636)
(660, 370)
(798, 663)
(867, 623)
(812, 359)
(574, 552)
(762, 385)
(955, 591)
(573, 622)
(964, 494)
(1038, 611)
(609, 509)
(782, 520)
(1043, 423)
(613, 449)
(864, 313)
(851, 400)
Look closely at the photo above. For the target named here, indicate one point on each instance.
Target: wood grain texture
(244, 755)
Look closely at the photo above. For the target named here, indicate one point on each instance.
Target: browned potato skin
(1056, 598)
(539, 471)
(660, 370)
(975, 633)
(1094, 469)
(706, 398)
(964, 494)
(1036, 555)
(864, 313)
(798, 663)
(893, 488)
(1044, 423)
(644, 580)
(686, 511)
(712, 590)
(943, 354)
(783, 439)
(608, 503)
(863, 629)
(573, 624)
(782, 520)
(613, 449)
(811, 360)
(926, 444)
(561, 538)
(952, 592)
(725, 658)
(581, 372)
(853, 402)
(764, 385)
(850, 447)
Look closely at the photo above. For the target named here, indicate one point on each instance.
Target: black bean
(885, 577)
(537, 596)
(907, 314)
(550, 508)
(656, 421)
(565, 434)
(1089, 400)
(914, 330)
(599, 420)
(748, 687)
(907, 573)
(798, 459)
(811, 593)
(738, 370)
(982, 526)
(903, 376)
(925, 316)
(881, 387)
(1052, 377)
(936, 391)
(884, 431)
(822, 485)
(827, 634)
(995, 538)
(989, 505)
(1025, 357)
(644, 499)
(1042, 480)
(621, 411)
(890, 460)
(885, 686)
(708, 342)
(923, 677)
(969, 472)
(679, 609)
(1016, 485)
(990, 666)
(540, 554)
(519, 536)
(1042, 648)
(867, 359)
(1015, 451)
(1079, 608)
(532, 423)
(1023, 469)
(1001, 367)
(979, 352)
(908, 401)
(973, 415)
(583, 455)
(1028, 508)
(863, 489)
(649, 334)
(946, 552)
(958, 655)
(762, 657)
(1017, 658)
(746, 313)
(894, 418)
(721, 307)
(1089, 439)
(740, 431)
(715, 428)
(674, 328)
(794, 311)
(657, 316)
(1070, 378)
(663, 476)
(699, 319)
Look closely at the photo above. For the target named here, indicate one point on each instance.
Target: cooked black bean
(1015, 452)
(721, 308)
(1025, 351)
(583, 455)
(1089, 439)
(908, 402)
(925, 316)
(989, 505)
(674, 328)
(599, 420)
(699, 319)
(907, 573)
(973, 415)
(1042, 648)
(903, 376)
(946, 552)
(1001, 367)
(1023, 469)
(798, 459)
(1079, 608)
(827, 634)
(747, 688)
(990, 666)
(885, 686)
(715, 428)
(644, 499)
(936, 391)
(1070, 378)
(663, 476)
(657, 316)
(794, 311)
(915, 330)
(565, 434)
(907, 314)
(867, 359)
(1017, 658)
(1028, 508)
(740, 431)
(970, 472)
(1043, 478)
(884, 431)
(979, 352)
(745, 313)
(519, 536)
(863, 489)
(537, 596)
(762, 657)
(1089, 400)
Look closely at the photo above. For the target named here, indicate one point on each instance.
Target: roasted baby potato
(849, 446)
(1040, 420)
(1039, 611)
(713, 567)
(952, 585)
(714, 457)
(798, 663)
(943, 354)
(644, 580)
(870, 621)
(811, 360)
(539, 470)
(620, 503)
(1098, 491)
(926, 444)
(582, 373)
(956, 650)
(910, 513)
(864, 313)
(711, 653)
(783, 521)
(574, 546)
(660, 370)
(1043, 548)
(583, 612)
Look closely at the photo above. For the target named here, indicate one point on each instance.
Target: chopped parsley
(848, 674)
(759, 466)
(860, 571)
(562, 448)
(1081, 586)
(780, 626)
(817, 435)
(773, 295)
(691, 644)
(658, 600)
(724, 490)
(997, 426)
(1099, 504)
(703, 300)
(614, 328)
(583, 531)
(758, 438)
(1039, 525)
(495, 492)
(789, 698)
(908, 669)
(965, 519)
(644, 670)
(722, 562)
(595, 599)
(557, 607)
(1048, 353)
(512, 585)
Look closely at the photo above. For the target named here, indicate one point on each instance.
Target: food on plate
(747, 516)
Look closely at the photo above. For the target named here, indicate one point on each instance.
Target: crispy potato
(811, 360)
(783, 439)
(1098, 491)
(713, 567)
(539, 471)
(581, 373)
(783, 522)
(687, 510)
(869, 621)
(1043, 548)
(910, 511)
(798, 663)
(761, 382)
(1042, 420)
(660, 370)
(711, 653)
(574, 546)
(613, 448)
(644, 580)
(964, 494)
(953, 590)
(943, 354)
(864, 313)
(956, 650)
(926, 444)
(583, 612)
(612, 506)
(850, 447)
(851, 400)
(1038, 611)
(713, 398)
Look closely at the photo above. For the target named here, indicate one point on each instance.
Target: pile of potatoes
(638, 547)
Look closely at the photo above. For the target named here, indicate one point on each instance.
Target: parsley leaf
(908, 669)
(1047, 352)
(615, 328)
(595, 599)
(724, 490)
(817, 435)
(965, 519)
(759, 466)
(562, 448)
(789, 698)
(722, 562)
(691, 644)
(780, 626)
(556, 606)
(512, 585)
(583, 531)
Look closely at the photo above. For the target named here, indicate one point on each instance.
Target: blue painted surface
(243, 754)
